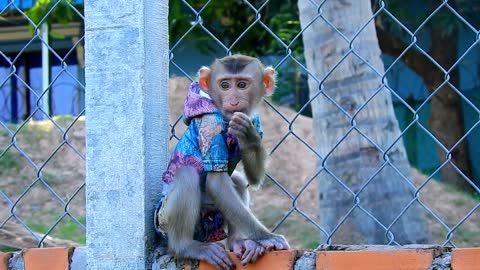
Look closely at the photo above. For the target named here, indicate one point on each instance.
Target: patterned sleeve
(212, 143)
(256, 123)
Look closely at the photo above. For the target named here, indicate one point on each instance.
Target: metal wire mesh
(42, 157)
(41, 198)
(294, 215)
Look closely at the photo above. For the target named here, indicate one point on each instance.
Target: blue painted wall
(67, 94)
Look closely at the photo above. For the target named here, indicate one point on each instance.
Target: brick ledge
(325, 257)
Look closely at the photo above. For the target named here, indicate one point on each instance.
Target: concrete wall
(126, 75)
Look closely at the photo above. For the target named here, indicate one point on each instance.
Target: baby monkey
(203, 193)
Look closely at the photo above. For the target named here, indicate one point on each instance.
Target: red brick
(275, 260)
(4, 257)
(372, 260)
(56, 258)
(466, 259)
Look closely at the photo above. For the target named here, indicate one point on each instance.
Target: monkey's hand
(253, 153)
(248, 251)
(274, 242)
(242, 127)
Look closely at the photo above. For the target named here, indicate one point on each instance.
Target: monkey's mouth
(229, 113)
(234, 109)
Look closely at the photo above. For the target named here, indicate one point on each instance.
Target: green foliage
(413, 13)
(274, 32)
(228, 21)
(292, 87)
(48, 11)
(62, 12)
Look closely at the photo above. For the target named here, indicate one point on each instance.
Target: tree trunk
(446, 121)
(353, 142)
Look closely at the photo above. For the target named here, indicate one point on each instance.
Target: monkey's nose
(234, 104)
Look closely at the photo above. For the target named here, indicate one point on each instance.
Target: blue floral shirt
(206, 145)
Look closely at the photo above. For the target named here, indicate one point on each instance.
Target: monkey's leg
(222, 191)
(248, 251)
(182, 211)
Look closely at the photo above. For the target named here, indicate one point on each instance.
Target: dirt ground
(291, 166)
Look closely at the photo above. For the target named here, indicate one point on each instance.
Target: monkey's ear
(269, 80)
(203, 78)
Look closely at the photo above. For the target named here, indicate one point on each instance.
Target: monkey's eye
(224, 85)
(242, 85)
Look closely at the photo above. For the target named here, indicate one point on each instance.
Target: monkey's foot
(213, 253)
(248, 251)
(275, 242)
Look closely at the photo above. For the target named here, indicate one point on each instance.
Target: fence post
(126, 59)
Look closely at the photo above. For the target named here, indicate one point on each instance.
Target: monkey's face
(236, 93)
(237, 83)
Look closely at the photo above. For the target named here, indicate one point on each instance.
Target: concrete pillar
(126, 60)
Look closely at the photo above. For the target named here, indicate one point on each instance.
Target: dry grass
(64, 172)
(291, 164)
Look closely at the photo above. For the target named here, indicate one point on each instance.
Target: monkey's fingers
(247, 257)
(252, 251)
(218, 256)
(269, 246)
(259, 252)
(276, 242)
(242, 123)
(280, 243)
(238, 249)
(221, 245)
(221, 264)
(236, 126)
(241, 118)
(244, 134)
(239, 133)
(240, 115)
(281, 246)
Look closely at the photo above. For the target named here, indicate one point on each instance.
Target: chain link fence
(42, 157)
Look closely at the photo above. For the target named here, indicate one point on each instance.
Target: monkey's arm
(253, 158)
(253, 152)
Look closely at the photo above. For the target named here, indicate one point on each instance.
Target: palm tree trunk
(353, 141)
